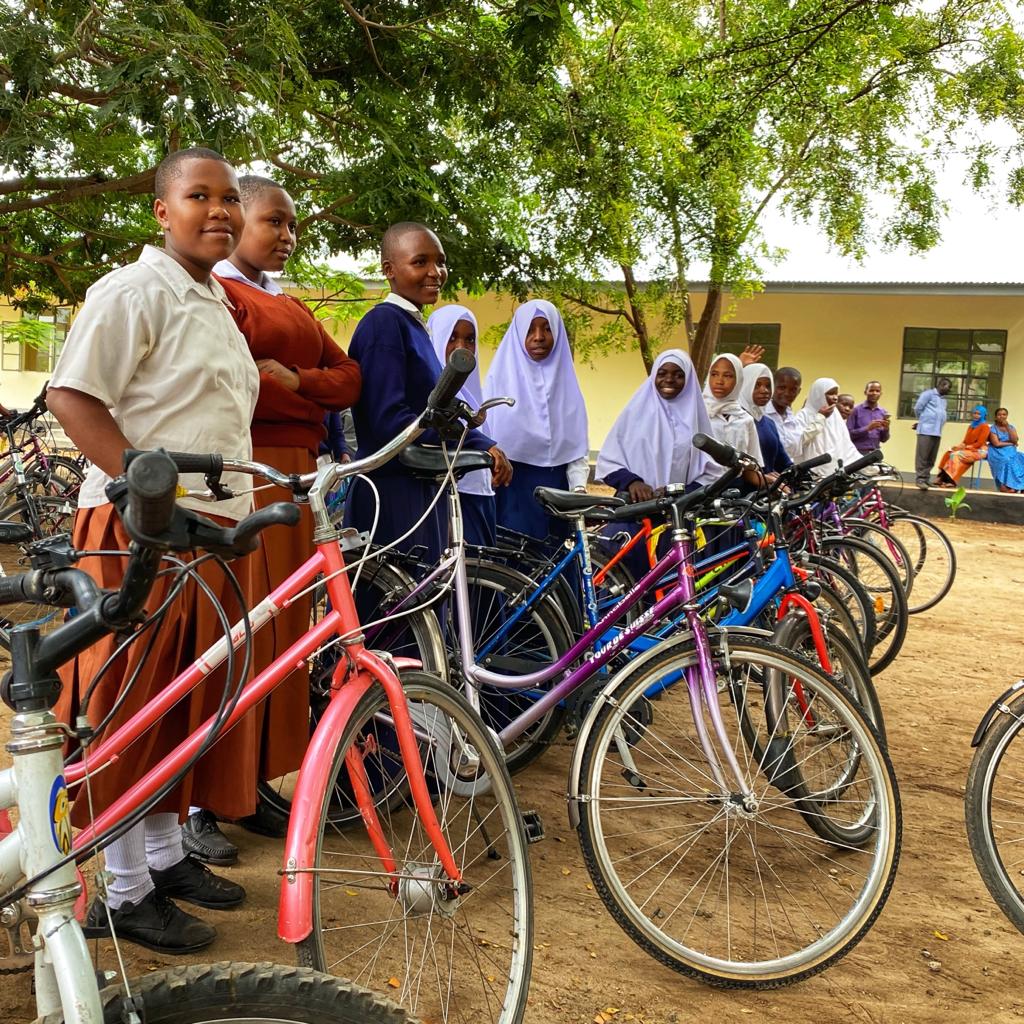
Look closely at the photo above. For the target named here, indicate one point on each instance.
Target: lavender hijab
(548, 425)
(440, 326)
(653, 436)
(751, 375)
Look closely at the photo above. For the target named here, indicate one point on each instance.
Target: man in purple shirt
(869, 422)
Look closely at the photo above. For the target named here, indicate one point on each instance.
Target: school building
(903, 334)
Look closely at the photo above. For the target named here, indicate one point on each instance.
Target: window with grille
(34, 342)
(971, 359)
(734, 338)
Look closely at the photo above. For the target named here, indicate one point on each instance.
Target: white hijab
(730, 422)
(751, 375)
(833, 438)
(440, 326)
(548, 425)
(653, 436)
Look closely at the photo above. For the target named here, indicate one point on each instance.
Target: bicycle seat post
(44, 831)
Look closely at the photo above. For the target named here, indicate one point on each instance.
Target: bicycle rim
(444, 960)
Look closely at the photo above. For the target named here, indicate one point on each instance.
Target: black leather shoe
(154, 922)
(201, 837)
(193, 882)
(267, 821)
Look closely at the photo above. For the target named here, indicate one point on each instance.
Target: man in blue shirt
(930, 409)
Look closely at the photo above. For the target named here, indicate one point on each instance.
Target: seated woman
(1006, 463)
(651, 443)
(452, 327)
(822, 428)
(756, 391)
(545, 435)
(961, 457)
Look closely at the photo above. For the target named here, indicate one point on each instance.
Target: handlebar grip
(152, 484)
(186, 462)
(243, 537)
(723, 454)
(819, 460)
(455, 373)
(869, 460)
(14, 589)
(638, 510)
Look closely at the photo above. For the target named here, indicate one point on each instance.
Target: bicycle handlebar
(868, 460)
(455, 373)
(723, 454)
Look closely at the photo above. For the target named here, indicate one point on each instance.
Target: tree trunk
(643, 336)
(706, 336)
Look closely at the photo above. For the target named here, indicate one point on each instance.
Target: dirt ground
(934, 696)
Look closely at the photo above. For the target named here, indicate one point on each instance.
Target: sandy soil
(939, 910)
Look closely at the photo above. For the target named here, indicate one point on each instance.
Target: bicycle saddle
(14, 533)
(429, 463)
(573, 502)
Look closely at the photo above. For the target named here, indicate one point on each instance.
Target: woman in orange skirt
(959, 459)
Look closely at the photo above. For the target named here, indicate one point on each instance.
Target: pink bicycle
(422, 887)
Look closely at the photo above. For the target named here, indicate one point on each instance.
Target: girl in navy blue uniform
(545, 434)
(399, 369)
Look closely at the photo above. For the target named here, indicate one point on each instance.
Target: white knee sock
(163, 841)
(126, 861)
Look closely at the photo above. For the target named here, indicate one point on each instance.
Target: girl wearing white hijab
(730, 422)
(651, 443)
(755, 394)
(545, 434)
(822, 429)
(452, 327)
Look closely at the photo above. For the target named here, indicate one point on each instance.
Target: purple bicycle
(737, 812)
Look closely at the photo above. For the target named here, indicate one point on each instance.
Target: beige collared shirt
(162, 352)
(403, 303)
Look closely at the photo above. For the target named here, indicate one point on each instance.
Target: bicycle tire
(881, 538)
(854, 596)
(417, 635)
(930, 585)
(982, 798)
(818, 944)
(542, 636)
(494, 941)
(247, 994)
(884, 586)
(49, 515)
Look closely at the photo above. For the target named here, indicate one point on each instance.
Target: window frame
(949, 344)
(770, 358)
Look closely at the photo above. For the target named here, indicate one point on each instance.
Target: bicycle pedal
(533, 826)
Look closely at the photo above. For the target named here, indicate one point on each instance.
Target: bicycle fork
(64, 975)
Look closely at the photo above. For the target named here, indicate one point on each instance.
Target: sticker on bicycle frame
(60, 815)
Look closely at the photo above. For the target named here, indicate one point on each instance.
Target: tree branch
(132, 185)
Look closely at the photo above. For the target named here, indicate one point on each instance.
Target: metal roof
(894, 287)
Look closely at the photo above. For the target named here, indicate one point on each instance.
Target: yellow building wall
(849, 336)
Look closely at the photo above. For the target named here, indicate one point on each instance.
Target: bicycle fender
(587, 725)
(295, 905)
(998, 706)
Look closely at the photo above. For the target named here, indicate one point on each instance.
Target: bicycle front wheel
(445, 958)
(239, 993)
(992, 809)
(737, 889)
(932, 556)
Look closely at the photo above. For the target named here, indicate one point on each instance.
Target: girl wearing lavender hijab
(756, 391)
(651, 443)
(452, 327)
(545, 434)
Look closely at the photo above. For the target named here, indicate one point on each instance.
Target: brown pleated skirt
(284, 716)
(224, 780)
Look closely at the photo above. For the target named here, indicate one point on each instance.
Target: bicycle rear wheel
(878, 576)
(239, 993)
(933, 558)
(445, 958)
(737, 894)
(992, 811)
